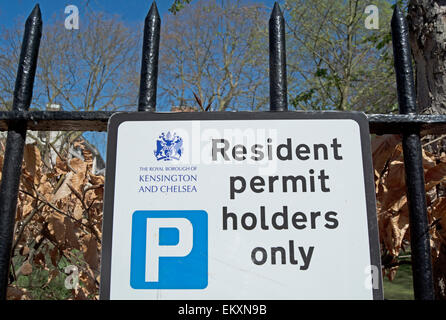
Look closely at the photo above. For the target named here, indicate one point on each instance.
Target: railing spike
(153, 12)
(149, 64)
(277, 61)
(276, 11)
(403, 63)
(28, 61)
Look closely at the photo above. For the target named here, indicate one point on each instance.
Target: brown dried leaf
(435, 175)
(88, 279)
(64, 190)
(24, 251)
(56, 227)
(91, 254)
(61, 166)
(78, 212)
(385, 231)
(32, 162)
(78, 144)
(96, 180)
(393, 229)
(391, 273)
(79, 294)
(99, 193)
(16, 293)
(39, 259)
(46, 189)
(54, 255)
(383, 147)
(77, 181)
(439, 216)
(395, 185)
(428, 160)
(26, 269)
(72, 240)
(78, 165)
(88, 156)
(27, 208)
(396, 207)
(401, 227)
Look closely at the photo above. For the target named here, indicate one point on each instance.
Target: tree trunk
(427, 25)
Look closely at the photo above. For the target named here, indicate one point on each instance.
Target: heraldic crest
(168, 147)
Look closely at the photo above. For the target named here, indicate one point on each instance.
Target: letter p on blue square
(169, 250)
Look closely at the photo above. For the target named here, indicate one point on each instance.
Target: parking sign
(240, 206)
(169, 250)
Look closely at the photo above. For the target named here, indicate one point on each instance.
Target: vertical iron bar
(277, 61)
(15, 142)
(149, 65)
(413, 162)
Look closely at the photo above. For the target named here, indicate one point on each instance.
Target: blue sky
(129, 10)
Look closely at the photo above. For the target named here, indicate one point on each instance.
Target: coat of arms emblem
(168, 147)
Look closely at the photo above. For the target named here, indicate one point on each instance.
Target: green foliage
(401, 288)
(334, 61)
(40, 285)
(178, 5)
(39, 289)
(47, 282)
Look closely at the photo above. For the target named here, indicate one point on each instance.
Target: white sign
(253, 206)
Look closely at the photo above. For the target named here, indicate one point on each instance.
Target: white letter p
(154, 250)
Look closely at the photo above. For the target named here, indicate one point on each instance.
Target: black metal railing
(15, 142)
(408, 123)
(413, 163)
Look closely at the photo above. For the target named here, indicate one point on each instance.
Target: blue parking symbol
(169, 250)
